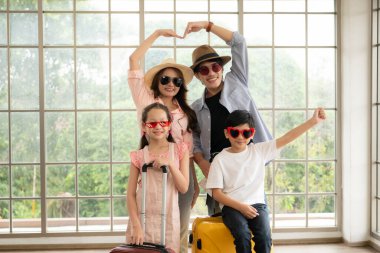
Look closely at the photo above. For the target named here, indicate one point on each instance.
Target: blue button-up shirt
(235, 96)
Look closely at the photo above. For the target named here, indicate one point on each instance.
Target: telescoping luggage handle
(164, 169)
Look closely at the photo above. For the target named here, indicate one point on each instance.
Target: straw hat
(206, 53)
(168, 63)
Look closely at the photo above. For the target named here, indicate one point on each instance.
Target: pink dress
(142, 97)
(154, 199)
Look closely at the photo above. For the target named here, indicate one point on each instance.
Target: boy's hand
(319, 115)
(248, 211)
(195, 27)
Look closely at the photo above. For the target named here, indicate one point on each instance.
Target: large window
(68, 123)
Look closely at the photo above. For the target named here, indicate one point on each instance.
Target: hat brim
(224, 60)
(186, 72)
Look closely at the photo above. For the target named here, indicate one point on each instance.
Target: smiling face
(156, 125)
(210, 73)
(169, 89)
(239, 142)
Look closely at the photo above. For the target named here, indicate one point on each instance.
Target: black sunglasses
(177, 81)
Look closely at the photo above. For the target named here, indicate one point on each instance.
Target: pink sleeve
(182, 147)
(141, 95)
(136, 158)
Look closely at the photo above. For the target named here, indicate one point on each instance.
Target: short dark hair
(240, 117)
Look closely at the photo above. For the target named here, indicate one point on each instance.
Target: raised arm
(219, 31)
(136, 57)
(318, 116)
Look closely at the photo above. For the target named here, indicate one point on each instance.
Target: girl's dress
(154, 198)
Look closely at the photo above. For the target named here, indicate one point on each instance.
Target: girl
(166, 84)
(157, 145)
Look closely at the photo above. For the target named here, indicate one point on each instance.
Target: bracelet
(210, 24)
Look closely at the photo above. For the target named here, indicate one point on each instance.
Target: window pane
(23, 28)
(194, 39)
(321, 5)
(120, 179)
(120, 214)
(290, 178)
(285, 121)
(26, 216)
(192, 5)
(290, 211)
(58, 29)
(125, 135)
(289, 30)
(257, 5)
(60, 180)
(92, 5)
(4, 217)
(289, 5)
(223, 6)
(269, 178)
(23, 5)
(321, 30)
(121, 95)
(25, 137)
(321, 87)
(4, 184)
(156, 55)
(90, 210)
(24, 78)
(3, 28)
(229, 21)
(321, 138)
(267, 116)
(3, 79)
(26, 181)
(260, 76)
(3, 4)
(122, 5)
(158, 21)
(61, 215)
(4, 138)
(93, 78)
(59, 78)
(262, 34)
(158, 5)
(60, 137)
(93, 180)
(57, 5)
(322, 211)
(93, 136)
(92, 29)
(119, 35)
(290, 78)
(322, 177)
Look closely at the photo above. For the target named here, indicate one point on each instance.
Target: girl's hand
(319, 115)
(137, 235)
(162, 161)
(168, 33)
(195, 27)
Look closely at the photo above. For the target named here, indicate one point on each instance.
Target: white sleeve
(215, 176)
(267, 150)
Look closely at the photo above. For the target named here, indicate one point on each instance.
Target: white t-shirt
(241, 175)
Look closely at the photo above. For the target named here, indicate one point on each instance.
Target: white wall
(355, 118)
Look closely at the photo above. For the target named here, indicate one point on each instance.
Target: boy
(236, 179)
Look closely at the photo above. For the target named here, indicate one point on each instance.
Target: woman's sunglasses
(177, 81)
(204, 70)
(246, 133)
(154, 124)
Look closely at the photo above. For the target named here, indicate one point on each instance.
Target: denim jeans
(242, 227)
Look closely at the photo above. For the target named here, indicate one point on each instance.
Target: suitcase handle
(146, 166)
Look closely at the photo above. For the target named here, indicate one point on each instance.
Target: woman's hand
(137, 235)
(195, 27)
(168, 33)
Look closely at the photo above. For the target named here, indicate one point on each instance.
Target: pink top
(142, 97)
(154, 199)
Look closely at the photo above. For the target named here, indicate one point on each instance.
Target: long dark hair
(181, 97)
(144, 140)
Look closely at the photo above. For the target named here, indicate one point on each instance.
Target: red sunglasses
(246, 133)
(154, 124)
(204, 70)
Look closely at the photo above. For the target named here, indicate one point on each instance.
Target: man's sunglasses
(154, 124)
(246, 133)
(177, 81)
(204, 70)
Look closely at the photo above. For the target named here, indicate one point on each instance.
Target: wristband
(210, 24)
